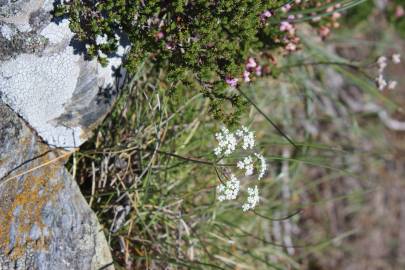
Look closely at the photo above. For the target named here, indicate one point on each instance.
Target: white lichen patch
(38, 87)
(57, 33)
(6, 32)
(21, 19)
(106, 74)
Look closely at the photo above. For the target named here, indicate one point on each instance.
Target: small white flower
(263, 165)
(382, 59)
(392, 85)
(229, 190)
(249, 169)
(396, 58)
(226, 142)
(382, 63)
(248, 137)
(247, 164)
(252, 200)
(381, 82)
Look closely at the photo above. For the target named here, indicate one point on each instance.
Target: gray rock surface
(50, 100)
(46, 80)
(45, 223)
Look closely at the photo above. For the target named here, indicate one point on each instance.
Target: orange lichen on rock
(26, 197)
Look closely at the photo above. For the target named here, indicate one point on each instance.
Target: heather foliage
(197, 43)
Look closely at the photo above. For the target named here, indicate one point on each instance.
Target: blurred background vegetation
(333, 202)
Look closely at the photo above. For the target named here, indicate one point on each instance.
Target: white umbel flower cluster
(381, 65)
(226, 142)
(381, 82)
(263, 165)
(247, 165)
(252, 200)
(396, 58)
(247, 137)
(229, 190)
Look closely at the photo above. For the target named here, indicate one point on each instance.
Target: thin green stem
(282, 133)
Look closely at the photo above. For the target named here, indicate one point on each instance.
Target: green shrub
(197, 43)
(398, 20)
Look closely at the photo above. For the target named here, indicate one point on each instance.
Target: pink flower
(286, 26)
(399, 11)
(336, 15)
(251, 63)
(291, 47)
(159, 35)
(286, 8)
(258, 70)
(246, 75)
(265, 15)
(324, 31)
(232, 82)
